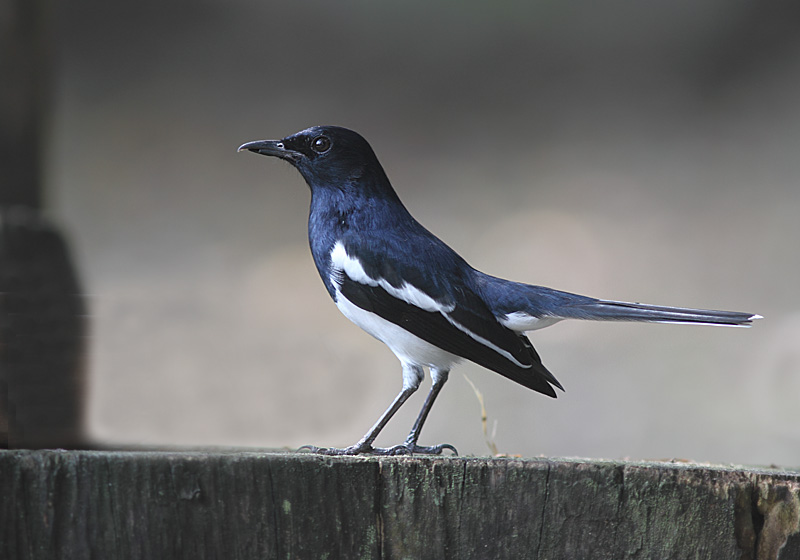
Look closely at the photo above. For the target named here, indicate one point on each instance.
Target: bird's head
(327, 157)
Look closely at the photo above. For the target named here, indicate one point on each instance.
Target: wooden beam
(250, 504)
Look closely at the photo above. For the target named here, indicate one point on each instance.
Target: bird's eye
(321, 144)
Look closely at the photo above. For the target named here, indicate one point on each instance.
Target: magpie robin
(404, 286)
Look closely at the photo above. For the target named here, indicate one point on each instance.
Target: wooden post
(246, 505)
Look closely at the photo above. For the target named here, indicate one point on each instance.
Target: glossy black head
(326, 156)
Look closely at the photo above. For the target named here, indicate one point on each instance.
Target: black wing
(468, 329)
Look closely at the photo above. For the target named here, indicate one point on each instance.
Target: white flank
(409, 349)
(406, 346)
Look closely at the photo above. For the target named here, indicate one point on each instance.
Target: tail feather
(607, 310)
(524, 307)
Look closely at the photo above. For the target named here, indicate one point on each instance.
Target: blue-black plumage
(406, 287)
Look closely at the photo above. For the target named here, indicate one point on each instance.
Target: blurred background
(641, 151)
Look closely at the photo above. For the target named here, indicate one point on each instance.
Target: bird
(404, 286)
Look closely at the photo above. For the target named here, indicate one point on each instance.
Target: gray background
(641, 151)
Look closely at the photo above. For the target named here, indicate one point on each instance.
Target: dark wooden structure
(248, 505)
(41, 308)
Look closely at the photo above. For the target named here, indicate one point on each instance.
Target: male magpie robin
(404, 286)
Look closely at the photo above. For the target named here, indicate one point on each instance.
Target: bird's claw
(414, 449)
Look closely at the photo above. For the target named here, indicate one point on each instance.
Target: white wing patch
(408, 347)
(340, 260)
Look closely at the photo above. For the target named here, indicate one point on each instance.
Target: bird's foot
(414, 449)
(366, 449)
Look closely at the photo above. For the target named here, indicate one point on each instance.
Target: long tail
(524, 307)
(606, 310)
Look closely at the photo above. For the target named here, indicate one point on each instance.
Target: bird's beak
(268, 148)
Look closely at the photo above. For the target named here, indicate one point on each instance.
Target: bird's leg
(412, 376)
(439, 377)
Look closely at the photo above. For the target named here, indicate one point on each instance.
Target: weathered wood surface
(248, 505)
